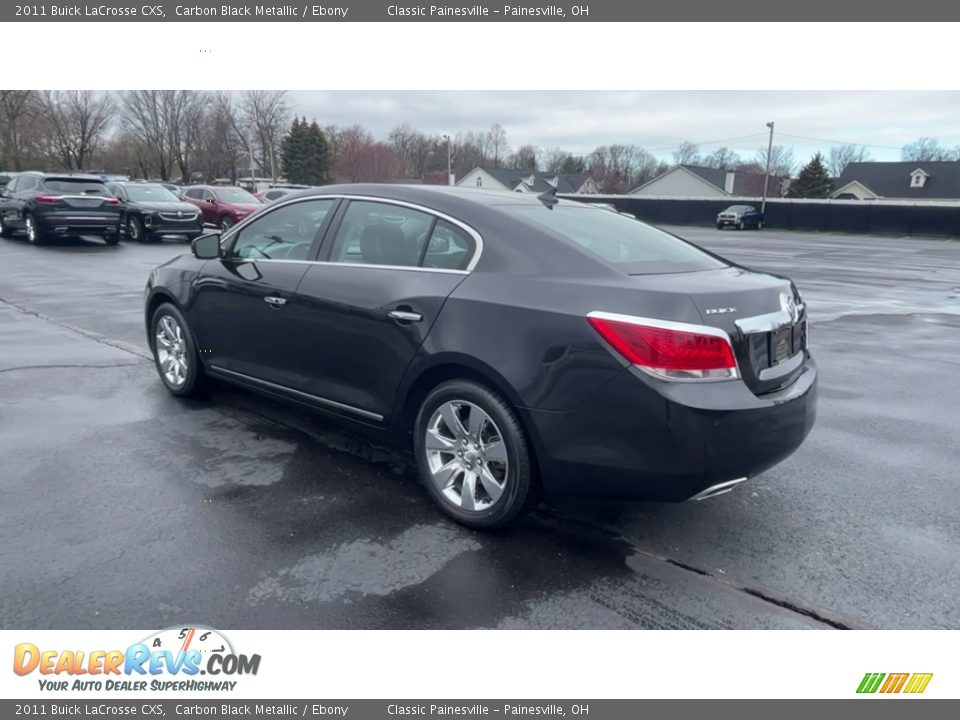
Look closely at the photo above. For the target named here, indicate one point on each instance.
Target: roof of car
(427, 194)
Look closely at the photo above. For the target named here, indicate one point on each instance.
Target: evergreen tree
(813, 182)
(305, 153)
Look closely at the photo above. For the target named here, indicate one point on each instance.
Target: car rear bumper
(77, 224)
(645, 439)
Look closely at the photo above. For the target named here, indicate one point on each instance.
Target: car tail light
(111, 201)
(672, 351)
(49, 199)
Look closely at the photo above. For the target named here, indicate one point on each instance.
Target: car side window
(450, 247)
(192, 193)
(375, 233)
(206, 194)
(26, 182)
(286, 233)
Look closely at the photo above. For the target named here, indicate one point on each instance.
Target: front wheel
(473, 456)
(741, 226)
(5, 230)
(174, 351)
(112, 239)
(135, 229)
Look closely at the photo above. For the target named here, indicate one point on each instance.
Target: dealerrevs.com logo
(172, 659)
(894, 683)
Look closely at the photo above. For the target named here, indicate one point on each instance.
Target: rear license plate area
(781, 345)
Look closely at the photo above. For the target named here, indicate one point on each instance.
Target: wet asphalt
(123, 507)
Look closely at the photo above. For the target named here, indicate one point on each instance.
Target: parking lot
(124, 507)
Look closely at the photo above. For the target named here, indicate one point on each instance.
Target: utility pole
(449, 173)
(766, 173)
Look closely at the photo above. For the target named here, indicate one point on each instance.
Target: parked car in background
(511, 342)
(741, 217)
(5, 178)
(150, 211)
(56, 205)
(221, 206)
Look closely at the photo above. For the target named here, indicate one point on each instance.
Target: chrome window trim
(229, 236)
(298, 393)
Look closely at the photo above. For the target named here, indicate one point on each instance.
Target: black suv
(45, 206)
(151, 211)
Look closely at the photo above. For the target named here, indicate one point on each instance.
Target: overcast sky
(578, 121)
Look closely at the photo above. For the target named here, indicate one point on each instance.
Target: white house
(696, 181)
(899, 181)
(528, 181)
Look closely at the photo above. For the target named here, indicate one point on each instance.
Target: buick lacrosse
(514, 343)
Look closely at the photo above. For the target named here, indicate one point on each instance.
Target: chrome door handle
(404, 316)
(274, 301)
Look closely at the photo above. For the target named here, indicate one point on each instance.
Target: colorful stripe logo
(913, 683)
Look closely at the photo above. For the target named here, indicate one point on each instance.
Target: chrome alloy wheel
(31, 229)
(466, 456)
(172, 351)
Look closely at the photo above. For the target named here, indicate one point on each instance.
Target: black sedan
(514, 343)
(741, 217)
(151, 211)
(45, 206)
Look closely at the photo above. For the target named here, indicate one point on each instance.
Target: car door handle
(274, 301)
(405, 316)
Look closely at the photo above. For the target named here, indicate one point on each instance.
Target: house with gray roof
(697, 181)
(528, 181)
(909, 180)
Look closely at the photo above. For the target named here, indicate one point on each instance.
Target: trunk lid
(760, 312)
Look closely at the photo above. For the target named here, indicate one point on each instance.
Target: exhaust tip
(718, 489)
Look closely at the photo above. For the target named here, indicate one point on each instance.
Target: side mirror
(206, 247)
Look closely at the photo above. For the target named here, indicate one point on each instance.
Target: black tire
(225, 223)
(112, 239)
(719, 226)
(135, 229)
(519, 488)
(34, 234)
(194, 376)
(741, 226)
(759, 224)
(5, 230)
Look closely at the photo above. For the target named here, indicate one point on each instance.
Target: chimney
(728, 182)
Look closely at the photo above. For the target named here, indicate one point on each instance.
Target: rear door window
(375, 233)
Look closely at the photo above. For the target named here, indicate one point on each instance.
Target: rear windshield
(75, 187)
(632, 246)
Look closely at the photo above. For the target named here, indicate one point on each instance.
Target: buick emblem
(179, 213)
(789, 306)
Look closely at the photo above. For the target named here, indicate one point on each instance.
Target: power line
(839, 142)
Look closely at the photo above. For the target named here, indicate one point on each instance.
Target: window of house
(479, 181)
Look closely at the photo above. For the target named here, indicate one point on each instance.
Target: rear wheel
(174, 351)
(473, 456)
(759, 224)
(34, 233)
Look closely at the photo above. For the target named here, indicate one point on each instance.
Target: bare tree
(265, 115)
(687, 153)
(145, 120)
(620, 168)
(842, 155)
(722, 158)
(782, 163)
(497, 144)
(15, 107)
(927, 149)
(76, 123)
(526, 157)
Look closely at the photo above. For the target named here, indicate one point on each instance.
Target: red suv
(221, 206)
